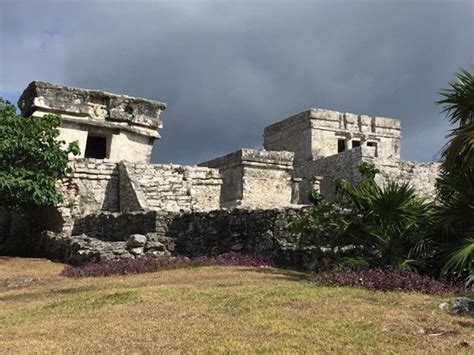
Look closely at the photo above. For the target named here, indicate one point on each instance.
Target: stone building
(330, 145)
(255, 178)
(106, 126)
(306, 151)
(242, 201)
(316, 134)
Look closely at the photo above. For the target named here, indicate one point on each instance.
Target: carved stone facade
(106, 126)
(317, 133)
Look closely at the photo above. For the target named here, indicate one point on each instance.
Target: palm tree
(390, 223)
(456, 181)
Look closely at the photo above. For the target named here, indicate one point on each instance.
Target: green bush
(32, 159)
(369, 225)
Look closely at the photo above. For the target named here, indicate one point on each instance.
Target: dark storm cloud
(227, 69)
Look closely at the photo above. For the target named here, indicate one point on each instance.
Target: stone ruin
(113, 184)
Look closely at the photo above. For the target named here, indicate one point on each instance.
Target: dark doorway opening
(96, 147)
(341, 145)
(355, 144)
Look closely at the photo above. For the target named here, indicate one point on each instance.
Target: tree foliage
(32, 158)
(456, 181)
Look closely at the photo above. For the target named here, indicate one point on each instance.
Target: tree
(456, 181)
(32, 159)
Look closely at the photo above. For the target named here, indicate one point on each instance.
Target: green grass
(217, 310)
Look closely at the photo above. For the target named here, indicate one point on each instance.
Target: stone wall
(94, 185)
(255, 178)
(119, 226)
(421, 176)
(166, 187)
(20, 230)
(106, 235)
(342, 165)
(261, 232)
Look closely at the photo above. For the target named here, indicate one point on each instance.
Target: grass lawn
(215, 309)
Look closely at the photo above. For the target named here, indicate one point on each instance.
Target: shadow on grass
(31, 296)
(280, 273)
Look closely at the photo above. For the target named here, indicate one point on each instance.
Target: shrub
(152, 263)
(32, 159)
(369, 224)
(386, 280)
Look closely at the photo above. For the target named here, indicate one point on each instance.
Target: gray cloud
(227, 69)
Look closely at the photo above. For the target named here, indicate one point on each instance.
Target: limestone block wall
(255, 178)
(97, 183)
(292, 134)
(317, 133)
(342, 165)
(421, 176)
(173, 187)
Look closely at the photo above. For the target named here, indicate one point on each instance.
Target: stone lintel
(93, 105)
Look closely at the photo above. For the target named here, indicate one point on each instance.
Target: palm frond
(458, 99)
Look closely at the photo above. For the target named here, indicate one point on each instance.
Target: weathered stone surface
(462, 305)
(155, 246)
(250, 231)
(255, 178)
(136, 241)
(137, 251)
(314, 134)
(128, 124)
(167, 187)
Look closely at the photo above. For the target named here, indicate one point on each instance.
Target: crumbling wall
(167, 187)
(97, 183)
(255, 178)
(248, 231)
(421, 176)
(119, 226)
(342, 165)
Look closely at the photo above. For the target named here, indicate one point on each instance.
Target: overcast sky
(227, 69)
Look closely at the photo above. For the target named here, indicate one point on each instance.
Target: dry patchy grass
(215, 309)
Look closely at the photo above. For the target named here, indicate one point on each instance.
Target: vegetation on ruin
(216, 310)
(32, 159)
(390, 226)
(368, 226)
